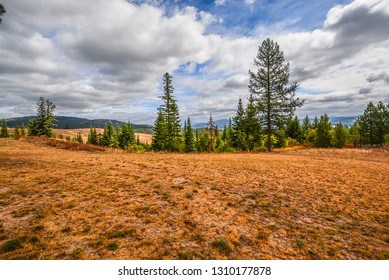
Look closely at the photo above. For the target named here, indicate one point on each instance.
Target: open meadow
(307, 204)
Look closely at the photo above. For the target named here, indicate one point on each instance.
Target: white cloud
(220, 2)
(249, 2)
(97, 57)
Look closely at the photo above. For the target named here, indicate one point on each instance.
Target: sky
(106, 59)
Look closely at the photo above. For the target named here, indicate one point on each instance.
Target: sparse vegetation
(96, 204)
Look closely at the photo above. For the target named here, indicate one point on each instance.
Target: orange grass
(72, 133)
(304, 204)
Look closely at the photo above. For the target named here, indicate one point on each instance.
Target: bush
(12, 245)
(135, 148)
(292, 142)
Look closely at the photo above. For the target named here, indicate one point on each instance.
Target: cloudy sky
(106, 59)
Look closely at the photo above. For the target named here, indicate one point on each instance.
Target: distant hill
(344, 120)
(219, 123)
(74, 123)
(347, 121)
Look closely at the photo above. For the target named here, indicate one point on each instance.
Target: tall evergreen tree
(251, 126)
(212, 130)
(269, 85)
(368, 125)
(4, 130)
(238, 123)
(382, 121)
(230, 133)
(160, 133)
(168, 118)
(189, 137)
(172, 118)
(42, 126)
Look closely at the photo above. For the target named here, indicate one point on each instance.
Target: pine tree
(173, 128)
(281, 140)
(251, 125)
(368, 125)
(126, 136)
(42, 126)
(189, 137)
(354, 135)
(92, 137)
(78, 138)
(4, 130)
(315, 122)
(197, 140)
(269, 85)
(341, 135)
(374, 123)
(212, 130)
(230, 133)
(108, 135)
(323, 135)
(160, 134)
(294, 130)
(203, 144)
(238, 122)
(306, 125)
(382, 121)
(168, 119)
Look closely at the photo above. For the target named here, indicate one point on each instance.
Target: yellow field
(72, 133)
(308, 204)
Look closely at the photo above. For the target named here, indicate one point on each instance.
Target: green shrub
(12, 245)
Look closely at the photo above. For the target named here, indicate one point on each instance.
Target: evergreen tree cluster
(373, 125)
(268, 120)
(116, 137)
(18, 132)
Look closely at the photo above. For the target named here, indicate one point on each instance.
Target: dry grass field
(144, 138)
(72, 133)
(309, 204)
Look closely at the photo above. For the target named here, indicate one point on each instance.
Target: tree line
(266, 122)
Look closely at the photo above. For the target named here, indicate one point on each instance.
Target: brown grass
(304, 204)
(143, 138)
